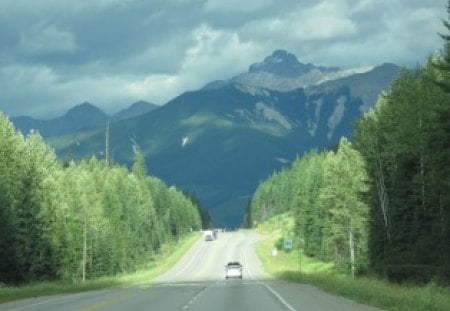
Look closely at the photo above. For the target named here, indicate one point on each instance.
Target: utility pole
(84, 248)
(107, 154)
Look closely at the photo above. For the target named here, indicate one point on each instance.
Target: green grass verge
(170, 253)
(380, 293)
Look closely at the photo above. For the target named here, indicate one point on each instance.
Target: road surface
(197, 283)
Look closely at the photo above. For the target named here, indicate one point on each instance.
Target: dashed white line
(193, 299)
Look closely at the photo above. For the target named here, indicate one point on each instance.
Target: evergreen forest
(381, 203)
(68, 221)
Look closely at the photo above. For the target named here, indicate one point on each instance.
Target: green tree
(139, 168)
(11, 149)
(401, 142)
(443, 60)
(344, 181)
(79, 221)
(441, 141)
(33, 250)
(310, 215)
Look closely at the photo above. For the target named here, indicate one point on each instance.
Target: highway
(197, 282)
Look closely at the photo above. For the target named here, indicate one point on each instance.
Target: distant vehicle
(233, 270)
(208, 235)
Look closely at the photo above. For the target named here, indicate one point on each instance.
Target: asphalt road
(197, 282)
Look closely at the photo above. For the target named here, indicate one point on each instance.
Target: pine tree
(345, 179)
(11, 148)
(139, 168)
(403, 143)
(441, 142)
(34, 253)
(443, 62)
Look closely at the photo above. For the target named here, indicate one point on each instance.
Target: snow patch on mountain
(344, 73)
(285, 84)
(184, 141)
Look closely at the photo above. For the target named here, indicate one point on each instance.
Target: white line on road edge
(287, 305)
(274, 292)
(189, 263)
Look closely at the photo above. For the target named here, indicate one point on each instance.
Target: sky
(55, 54)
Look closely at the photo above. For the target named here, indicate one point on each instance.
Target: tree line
(78, 221)
(321, 191)
(380, 204)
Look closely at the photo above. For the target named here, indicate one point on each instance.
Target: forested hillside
(381, 203)
(78, 221)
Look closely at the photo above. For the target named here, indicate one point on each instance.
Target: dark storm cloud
(57, 53)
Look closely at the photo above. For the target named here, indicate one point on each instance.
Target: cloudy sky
(55, 54)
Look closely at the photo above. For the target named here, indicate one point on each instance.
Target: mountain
(281, 71)
(366, 85)
(84, 116)
(284, 64)
(25, 124)
(134, 110)
(220, 142)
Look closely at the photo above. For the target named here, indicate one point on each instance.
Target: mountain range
(220, 141)
(81, 117)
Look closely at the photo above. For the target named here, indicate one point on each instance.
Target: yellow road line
(110, 301)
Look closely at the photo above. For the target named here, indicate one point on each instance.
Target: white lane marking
(190, 262)
(274, 292)
(191, 302)
(284, 302)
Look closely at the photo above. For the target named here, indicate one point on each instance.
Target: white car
(209, 235)
(233, 270)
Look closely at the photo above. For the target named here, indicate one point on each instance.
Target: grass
(169, 255)
(367, 290)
